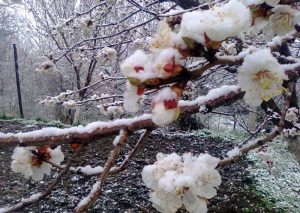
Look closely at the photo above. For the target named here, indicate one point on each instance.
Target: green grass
(6, 117)
(52, 123)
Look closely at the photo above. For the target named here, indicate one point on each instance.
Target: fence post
(18, 81)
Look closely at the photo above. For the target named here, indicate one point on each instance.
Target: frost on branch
(178, 181)
(29, 161)
(261, 77)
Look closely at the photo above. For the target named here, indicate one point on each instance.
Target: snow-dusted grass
(282, 183)
(222, 135)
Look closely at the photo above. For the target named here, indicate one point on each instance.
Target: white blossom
(107, 54)
(46, 67)
(29, 165)
(166, 38)
(167, 63)
(70, 104)
(218, 23)
(182, 180)
(261, 77)
(282, 21)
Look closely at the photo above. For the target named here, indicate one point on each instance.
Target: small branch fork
(269, 138)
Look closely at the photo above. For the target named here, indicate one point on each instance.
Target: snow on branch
(96, 130)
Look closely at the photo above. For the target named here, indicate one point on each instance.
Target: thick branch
(97, 130)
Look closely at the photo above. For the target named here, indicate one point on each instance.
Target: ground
(126, 192)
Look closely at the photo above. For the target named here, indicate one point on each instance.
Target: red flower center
(138, 68)
(170, 104)
(140, 90)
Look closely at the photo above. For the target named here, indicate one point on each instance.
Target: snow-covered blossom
(217, 24)
(135, 66)
(167, 63)
(87, 25)
(166, 38)
(70, 104)
(107, 54)
(131, 97)
(261, 77)
(163, 64)
(114, 111)
(292, 114)
(282, 21)
(182, 180)
(165, 107)
(46, 67)
(48, 102)
(94, 97)
(29, 161)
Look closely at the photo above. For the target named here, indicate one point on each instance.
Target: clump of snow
(218, 23)
(112, 111)
(70, 104)
(234, 152)
(261, 77)
(272, 3)
(182, 180)
(88, 170)
(212, 94)
(119, 137)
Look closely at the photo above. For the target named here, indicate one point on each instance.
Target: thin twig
(97, 188)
